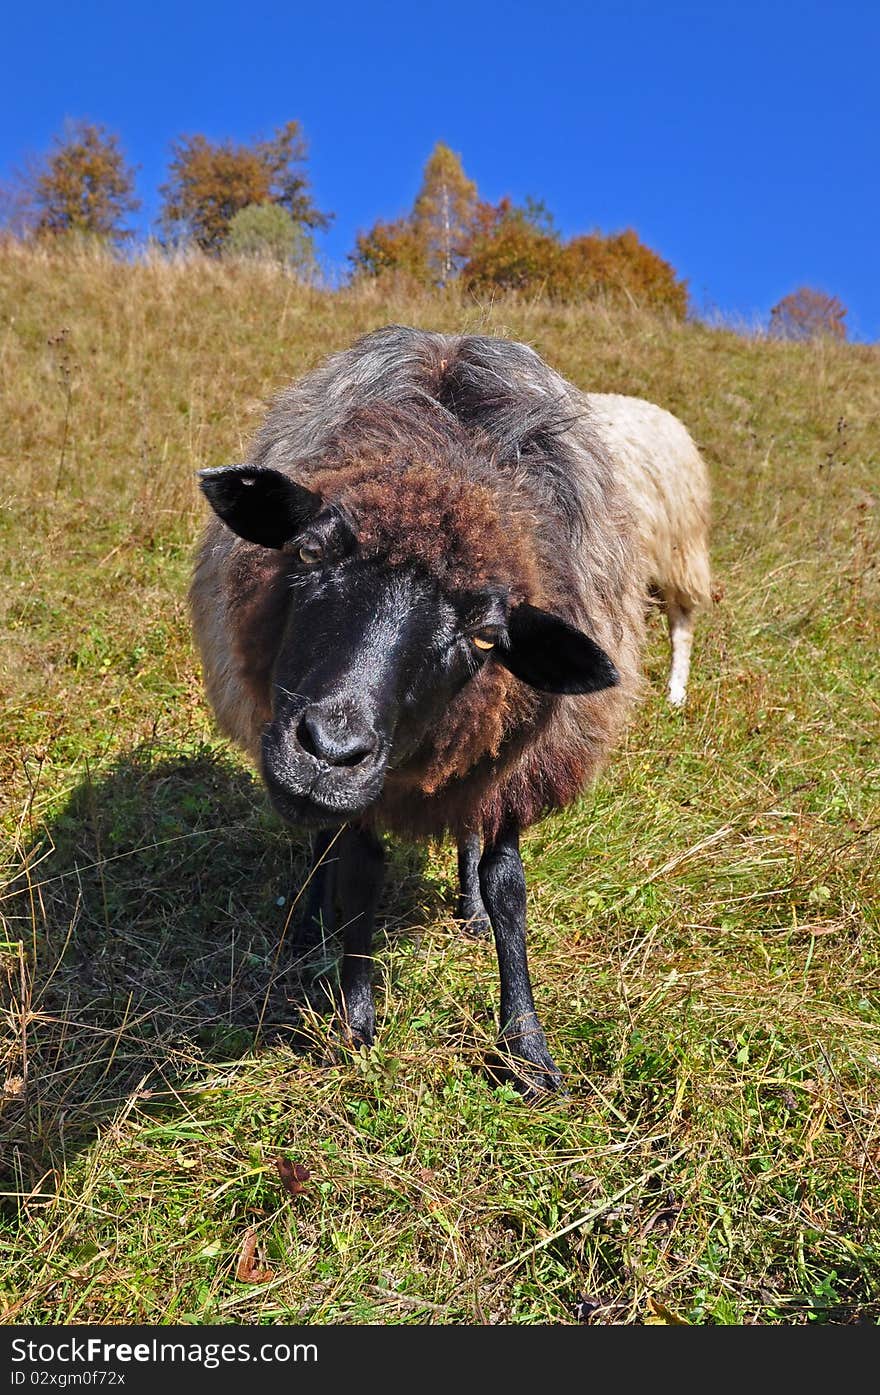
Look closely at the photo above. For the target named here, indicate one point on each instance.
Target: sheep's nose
(335, 738)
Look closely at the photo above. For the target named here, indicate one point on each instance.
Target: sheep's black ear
(260, 505)
(552, 656)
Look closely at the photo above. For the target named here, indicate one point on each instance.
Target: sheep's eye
(485, 639)
(311, 554)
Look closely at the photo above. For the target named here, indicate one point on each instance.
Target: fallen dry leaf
(249, 1270)
(659, 1314)
(294, 1176)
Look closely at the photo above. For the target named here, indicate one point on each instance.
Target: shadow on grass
(155, 912)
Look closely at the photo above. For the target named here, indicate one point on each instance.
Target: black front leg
(359, 880)
(318, 918)
(471, 911)
(503, 886)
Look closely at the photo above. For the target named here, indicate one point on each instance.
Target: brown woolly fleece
(413, 487)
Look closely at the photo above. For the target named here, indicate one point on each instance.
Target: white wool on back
(669, 489)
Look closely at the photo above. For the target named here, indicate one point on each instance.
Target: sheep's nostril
(335, 739)
(304, 736)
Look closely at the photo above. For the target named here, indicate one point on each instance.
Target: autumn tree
(808, 314)
(83, 186)
(444, 212)
(430, 243)
(619, 266)
(209, 182)
(514, 251)
(392, 248)
(522, 251)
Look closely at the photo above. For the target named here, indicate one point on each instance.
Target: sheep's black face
(371, 658)
(372, 653)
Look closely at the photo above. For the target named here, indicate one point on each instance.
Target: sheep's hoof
(357, 1041)
(529, 1066)
(356, 1026)
(475, 927)
(472, 915)
(345, 1041)
(537, 1084)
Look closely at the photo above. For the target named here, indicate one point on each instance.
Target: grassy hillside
(704, 924)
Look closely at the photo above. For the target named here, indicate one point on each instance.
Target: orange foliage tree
(83, 186)
(808, 314)
(209, 182)
(619, 266)
(392, 248)
(431, 242)
(521, 251)
(513, 252)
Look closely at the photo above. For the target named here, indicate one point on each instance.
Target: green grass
(703, 925)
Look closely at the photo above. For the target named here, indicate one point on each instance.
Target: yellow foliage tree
(444, 212)
(429, 244)
(451, 234)
(520, 251)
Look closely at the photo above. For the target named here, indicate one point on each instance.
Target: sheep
(419, 609)
(669, 491)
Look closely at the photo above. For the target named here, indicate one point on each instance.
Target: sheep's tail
(688, 579)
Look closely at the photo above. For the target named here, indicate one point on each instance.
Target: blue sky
(740, 140)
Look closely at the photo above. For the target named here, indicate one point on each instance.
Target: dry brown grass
(705, 924)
